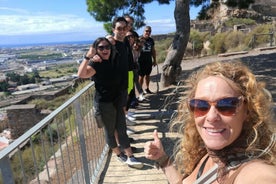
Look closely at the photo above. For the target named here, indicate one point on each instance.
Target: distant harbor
(45, 44)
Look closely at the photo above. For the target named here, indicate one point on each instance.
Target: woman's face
(104, 50)
(136, 46)
(130, 38)
(218, 130)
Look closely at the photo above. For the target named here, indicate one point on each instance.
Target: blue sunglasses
(225, 106)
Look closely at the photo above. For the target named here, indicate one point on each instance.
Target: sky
(42, 21)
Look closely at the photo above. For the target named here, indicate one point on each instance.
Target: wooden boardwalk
(155, 113)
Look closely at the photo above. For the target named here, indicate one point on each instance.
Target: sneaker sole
(136, 166)
(130, 123)
(130, 133)
(131, 118)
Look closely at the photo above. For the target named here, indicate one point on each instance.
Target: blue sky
(42, 21)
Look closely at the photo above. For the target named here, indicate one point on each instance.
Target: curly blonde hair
(258, 135)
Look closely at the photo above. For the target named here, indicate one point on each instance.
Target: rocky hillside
(261, 11)
(265, 7)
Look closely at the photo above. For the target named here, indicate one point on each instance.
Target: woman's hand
(92, 54)
(96, 59)
(154, 149)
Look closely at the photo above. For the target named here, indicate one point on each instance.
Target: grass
(57, 71)
(230, 41)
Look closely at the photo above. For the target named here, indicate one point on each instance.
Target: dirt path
(261, 61)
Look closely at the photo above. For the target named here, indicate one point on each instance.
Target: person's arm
(85, 70)
(154, 151)
(154, 56)
(173, 176)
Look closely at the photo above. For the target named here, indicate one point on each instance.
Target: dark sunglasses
(130, 36)
(102, 47)
(121, 28)
(226, 106)
(148, 31)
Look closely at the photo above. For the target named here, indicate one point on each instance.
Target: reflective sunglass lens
(199, 107)
(225, 106)
(101, 48)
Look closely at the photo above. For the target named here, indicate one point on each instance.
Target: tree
(4, 85)
(105, 10)
(172, 64)
(12, 76)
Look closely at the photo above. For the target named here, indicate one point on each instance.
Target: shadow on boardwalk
(156, 113)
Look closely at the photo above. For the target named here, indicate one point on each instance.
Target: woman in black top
(108, 77)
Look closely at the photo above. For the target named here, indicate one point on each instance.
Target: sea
(87, 42)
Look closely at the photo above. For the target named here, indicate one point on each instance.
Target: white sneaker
(130, 113)
(133, 162)
(130, 132)
(129, 122)
(122, 157)
(141, 98)
(131, 118)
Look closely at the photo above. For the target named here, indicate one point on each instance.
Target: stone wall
(47, 95)
(162, 36)
(261, 12)
(22, 117)
(203, 26)
(265, 7)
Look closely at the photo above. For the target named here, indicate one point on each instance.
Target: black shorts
(145, 68)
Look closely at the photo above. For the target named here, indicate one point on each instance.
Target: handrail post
(82, 141)
(6, 171)
(253, 41)
(271, 38)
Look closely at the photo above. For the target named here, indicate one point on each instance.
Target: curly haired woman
(225, 121)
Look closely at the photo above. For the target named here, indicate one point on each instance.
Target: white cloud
(161, 21)
(160, 26)
(15, 10)
(19, 25)
(43, 23)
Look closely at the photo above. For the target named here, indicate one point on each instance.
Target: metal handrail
(66, 146)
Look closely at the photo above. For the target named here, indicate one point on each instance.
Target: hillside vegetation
(205, 43)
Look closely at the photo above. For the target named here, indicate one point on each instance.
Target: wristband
(162, 161)
(86, 58)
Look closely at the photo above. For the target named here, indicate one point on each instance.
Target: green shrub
(50, 104)
(52, 133)
(28, 163)
(161, 47)
(217, 43)
(235, 21)
(234, 41)
(261, 36)
(231, 41)
(196, 40)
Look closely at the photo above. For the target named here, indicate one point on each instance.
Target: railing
(64, 147)
(268, 36)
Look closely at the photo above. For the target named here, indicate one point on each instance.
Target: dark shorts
(145, 69)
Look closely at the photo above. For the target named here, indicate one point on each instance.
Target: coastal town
(24, 60)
